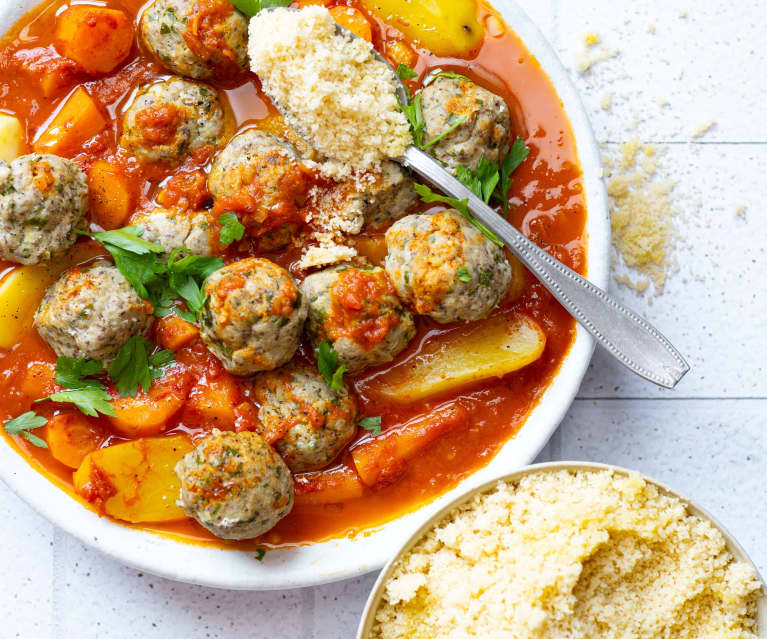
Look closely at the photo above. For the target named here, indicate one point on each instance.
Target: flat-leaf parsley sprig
(136, 365)
(159, 282)
(492, 181)
(232, 230)
(328, 366)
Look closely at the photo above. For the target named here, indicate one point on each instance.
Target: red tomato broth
(547, 205)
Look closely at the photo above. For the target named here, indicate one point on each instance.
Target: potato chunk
(135, 481)
(490, 348)
(12, 140)
(445, 27)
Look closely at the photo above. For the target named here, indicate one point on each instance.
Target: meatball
(91, 311)
(178, 228)
(171, 119)
(43, 201)
(356, 309)
(254, 315)
(197, 38)
(375, 198)
(442, 266)
(485, 132)
(235, 485)
(261, 176)
(310, 422)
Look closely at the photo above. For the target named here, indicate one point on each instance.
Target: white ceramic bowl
(368, 615)
(343, 558)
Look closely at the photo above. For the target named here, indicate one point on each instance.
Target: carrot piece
(53, 73)
(173, 332)
(383, 458)
(78, 120)
(330, 486)
(246, 417)
(71, 436)
(371, 247)
(97, 38)
(39, 380)
(354, 20)
(110, 196)
(148, 413)
(212, 402)
(400, 53)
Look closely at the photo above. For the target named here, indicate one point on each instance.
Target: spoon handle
(628, 337)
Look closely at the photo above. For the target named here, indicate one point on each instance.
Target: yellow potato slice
(12, 143)
(490, 348)
(23, 288)
(135, 481)
(444, 27)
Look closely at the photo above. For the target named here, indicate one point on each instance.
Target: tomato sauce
(547, 205)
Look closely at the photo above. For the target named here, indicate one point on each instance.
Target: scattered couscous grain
(642, 214)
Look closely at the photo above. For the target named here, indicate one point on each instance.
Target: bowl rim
(376, 594)
(343, 558)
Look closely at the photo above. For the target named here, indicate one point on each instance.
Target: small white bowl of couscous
(569, 549)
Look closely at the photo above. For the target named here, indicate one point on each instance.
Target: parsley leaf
(447, 131)
(134, 366)
(231, 228)
(446, 74)
(337, 381)
(127, 238)
(462, 206)
(260, 554)
(463, 274)
(90, 401)
(481, 182)
(252, 7)
(34, 439)
(404, 73)
(413, 111)
(373, 424)
(327, 365)
(25, 422)
(140, 269)
(194, 265)
(186, 315)
(159, 361)
(490, 180)
(71, 373)
(516, 155)
(185, 277)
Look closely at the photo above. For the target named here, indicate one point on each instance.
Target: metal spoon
(627, 336)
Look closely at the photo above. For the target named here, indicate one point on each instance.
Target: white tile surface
(709, 439)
